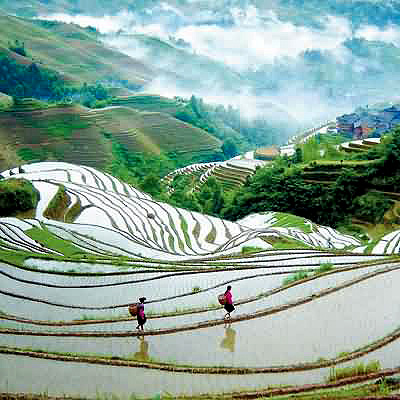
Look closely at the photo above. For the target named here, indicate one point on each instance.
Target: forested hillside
(328, 192)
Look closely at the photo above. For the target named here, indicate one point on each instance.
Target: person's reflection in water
(143, 353)
(228, 342)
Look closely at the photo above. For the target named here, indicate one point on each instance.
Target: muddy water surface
(24, 374)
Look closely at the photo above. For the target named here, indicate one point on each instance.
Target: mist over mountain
(282, 59)
(313, 61)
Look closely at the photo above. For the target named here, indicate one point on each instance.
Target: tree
(298, 156)
(18, 47)
(392, 156)
(151, 185)
(229, 148)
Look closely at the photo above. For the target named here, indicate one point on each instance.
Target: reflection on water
(228, 342)
(143, 353)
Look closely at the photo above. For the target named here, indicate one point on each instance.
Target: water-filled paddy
(24, 374)
(243, 289)
(290, 336)
(115, 295)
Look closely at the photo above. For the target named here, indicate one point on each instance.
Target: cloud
(244, 38)
(250, 38)
(105, 24)
(391, 34)
(254, 39)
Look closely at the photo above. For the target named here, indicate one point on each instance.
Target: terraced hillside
(76, 134)
(71, 51)
(153, 131)
(66, 284)
(148, 102)
(360, 145)
(231, 174)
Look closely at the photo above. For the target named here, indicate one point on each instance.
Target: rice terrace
(67, 281)
(199, 199)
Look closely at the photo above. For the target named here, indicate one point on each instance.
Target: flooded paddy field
(64, 322)
(24, 374)
(286, 337)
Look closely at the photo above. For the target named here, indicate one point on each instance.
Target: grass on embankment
(58, 205)
(285, 243)
(358, 369)
(366, 391)
(285, 220)
(326, 267)
(47, 239)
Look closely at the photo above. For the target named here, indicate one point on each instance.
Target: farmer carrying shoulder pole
(229, 307)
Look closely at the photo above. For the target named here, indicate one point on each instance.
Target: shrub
(17, 195)
(371, 207)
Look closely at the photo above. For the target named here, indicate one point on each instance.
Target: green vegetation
(58, 204)
(17, 195)
(355, 190)
(47, 239)
(292, 221)
(28, 154)
(282, 243)
(73, 212)
(196, 289)
(74, 53)
(237, 133)
(298, 276)
(142, 170)
(18, 47)
(5, 101)
(347, 392)
(320, 147)
(355, 370)
(324, 267)
(250, 249)
(21, 81)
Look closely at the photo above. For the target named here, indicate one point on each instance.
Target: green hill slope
(72, 51)
(153, 131)
(184, 67)
(76, 134)
(5, 101)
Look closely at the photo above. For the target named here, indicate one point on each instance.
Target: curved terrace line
(183, 266)
(129, 282)
(204, 324)
(190, 310)
(220, 370)
(253, 394)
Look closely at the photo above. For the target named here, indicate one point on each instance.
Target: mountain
(71, 51)
(361, 11)
(77, 134)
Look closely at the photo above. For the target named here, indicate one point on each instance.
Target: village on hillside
(359, 125)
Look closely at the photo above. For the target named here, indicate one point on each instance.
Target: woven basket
(133, 310)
